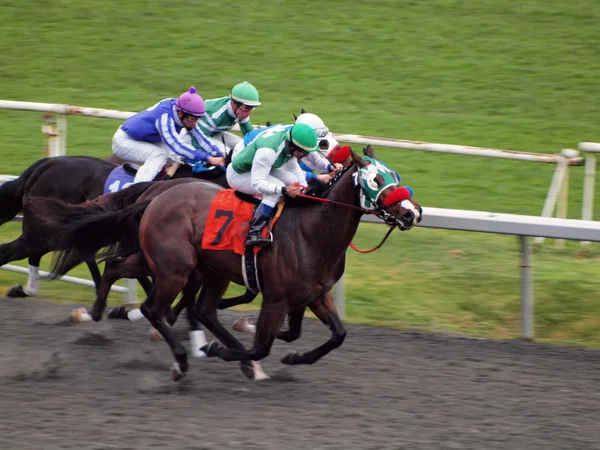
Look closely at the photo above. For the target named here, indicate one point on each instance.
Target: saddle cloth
(228, 223)
(119, 178)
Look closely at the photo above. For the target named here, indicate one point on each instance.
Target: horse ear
(356, 159)
(295, 116)
(302, 111)
(368, 151)
(269, 123)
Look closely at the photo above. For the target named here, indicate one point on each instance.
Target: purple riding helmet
(190, 103)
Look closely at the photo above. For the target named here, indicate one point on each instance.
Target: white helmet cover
(315, 122)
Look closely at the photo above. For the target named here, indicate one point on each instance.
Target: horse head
(381, 191)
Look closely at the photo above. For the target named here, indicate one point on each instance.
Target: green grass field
(516, 75)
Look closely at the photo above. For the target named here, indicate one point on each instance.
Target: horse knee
(289, 335)
(338, 339)
(261, 352)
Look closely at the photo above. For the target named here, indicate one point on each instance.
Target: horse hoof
(176, 372)
(211, 349)
(247, 369)
(118, 312)
(244, 325)
(259, 373)
(253, 371)
(79, 315)
(17, 291)
(289, 357)
(155, 336)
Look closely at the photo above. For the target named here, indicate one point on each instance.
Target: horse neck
(335, 226)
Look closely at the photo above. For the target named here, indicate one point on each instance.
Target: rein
(333, 202)
(356, 208)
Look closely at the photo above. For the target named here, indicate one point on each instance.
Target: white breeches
(243, 182)
(153, 155)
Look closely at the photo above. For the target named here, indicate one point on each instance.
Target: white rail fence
(517, 225)
(55, 128)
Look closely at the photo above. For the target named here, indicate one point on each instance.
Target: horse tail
(83, 239)
(11, 193)
(122, 199)
(78, 232)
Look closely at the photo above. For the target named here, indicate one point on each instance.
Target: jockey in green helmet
(268, 166)
(223, 113)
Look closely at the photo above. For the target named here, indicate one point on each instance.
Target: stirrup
(259, 240)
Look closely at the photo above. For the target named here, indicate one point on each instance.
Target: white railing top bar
(347, 138)
(513, 224)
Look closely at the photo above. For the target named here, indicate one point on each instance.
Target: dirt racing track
(106, 385)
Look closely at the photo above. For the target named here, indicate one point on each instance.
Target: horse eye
(379, 180)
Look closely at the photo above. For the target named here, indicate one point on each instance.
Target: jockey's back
(219, 117)
(273, 138)
(143, 125)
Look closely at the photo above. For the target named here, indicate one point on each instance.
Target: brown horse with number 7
(306, 259)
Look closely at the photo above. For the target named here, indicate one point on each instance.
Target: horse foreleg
(95, 272)
(324, 308)
(246, 297)
(20, 249)
(188, 300)
(294, 324)
(206, 311)
(270, 320)
(153, 309)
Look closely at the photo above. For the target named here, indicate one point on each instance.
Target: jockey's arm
(293, 167)
(207, 128)
(316, 161)
(261, 168)
(308, 171)
(204, 143)
(245, 126)
(169, 135)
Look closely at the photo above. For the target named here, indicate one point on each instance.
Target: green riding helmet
(245, 94)
(303, 136)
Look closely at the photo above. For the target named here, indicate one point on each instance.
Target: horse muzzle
(409, 217)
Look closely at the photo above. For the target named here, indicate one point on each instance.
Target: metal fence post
(527, 327)
(587, 208)
(340, 301)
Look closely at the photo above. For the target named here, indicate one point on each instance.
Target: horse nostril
(408, 216)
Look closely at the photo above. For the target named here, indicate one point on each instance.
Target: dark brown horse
(72, 179)
(307, 258)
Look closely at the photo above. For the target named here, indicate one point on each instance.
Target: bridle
(387, 218)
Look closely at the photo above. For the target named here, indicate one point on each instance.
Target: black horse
(72, 179)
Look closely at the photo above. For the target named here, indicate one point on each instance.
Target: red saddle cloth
(228, 223)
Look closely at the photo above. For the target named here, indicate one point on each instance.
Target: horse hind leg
(15, 251)
(165, 291)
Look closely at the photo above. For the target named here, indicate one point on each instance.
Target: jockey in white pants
(152, 136)
(268, 166)
(223, 113)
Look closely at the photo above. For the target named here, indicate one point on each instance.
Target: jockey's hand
(324, 177)
(292, 190)
(337, 167)
(216, 160)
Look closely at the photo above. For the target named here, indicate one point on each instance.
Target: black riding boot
(259, 221)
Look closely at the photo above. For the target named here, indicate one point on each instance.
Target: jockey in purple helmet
(152, 136)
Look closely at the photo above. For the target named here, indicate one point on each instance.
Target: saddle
(229, 220)
(130, 168)
(226, 228)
